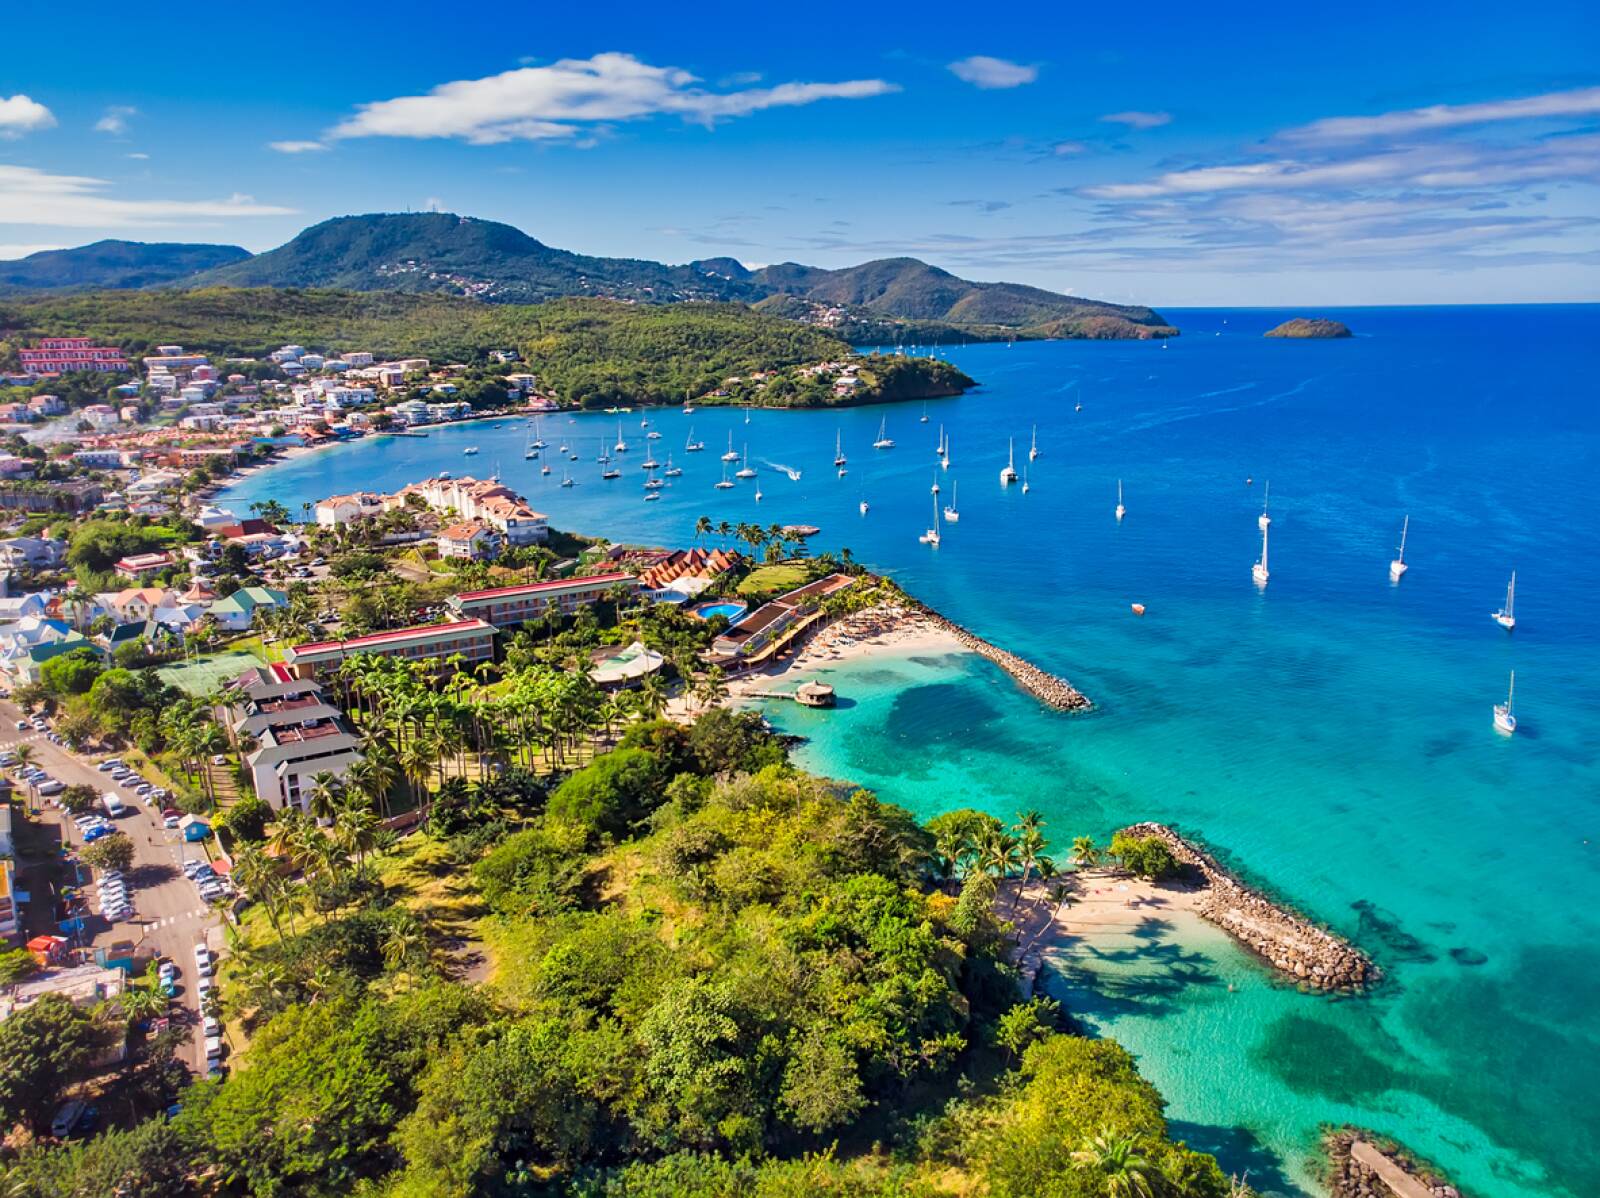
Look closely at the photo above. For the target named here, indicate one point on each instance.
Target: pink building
(57, 355)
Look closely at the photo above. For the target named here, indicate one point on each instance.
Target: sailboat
(691, 445)
(1398, 566)
(1121, 511)
(758, 492)
(611, 472)
(671, 471)
(1506, 617)
(935, 484)
(951, 515)
(883, 441)
(726, 483)
(652, 435)
(1026, 486)
(1033, 448)
(863, 506)
(924, 419)
(1259, 570)
(838, 449)
(545, 469)
(745, 471)
(528, 451)
(1505, 718)
(621, 446)
(652, 483)
(931, 537)
(938, 449)
(470, 450)
(566, 479)
(650, 463)
(538, 437)
(1009, 474)
(733, 454)
(1263, 519)
(944, 454)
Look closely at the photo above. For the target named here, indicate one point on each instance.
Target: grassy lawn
(774, 580)
(255, 646)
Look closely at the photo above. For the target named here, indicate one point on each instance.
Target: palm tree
(1128, 1173)
(952, 846)
(1084, 851)
(652, 696)
(322, 800)
(25, 755)
(404, 944)
(702, 527)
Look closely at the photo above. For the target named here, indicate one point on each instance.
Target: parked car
(213, 1048)
(67, 1118)
(93, 834)
(22, 725)
(51, 787)
(109, 764)
(170, 821)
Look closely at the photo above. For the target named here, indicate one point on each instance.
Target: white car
(52, 787)
(211, 1025)
(22, 725)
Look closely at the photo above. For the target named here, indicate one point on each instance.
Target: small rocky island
(1303, 327)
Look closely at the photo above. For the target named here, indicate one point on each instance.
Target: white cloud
(21, 114)
(29, 196)
(138, 155)
(559, 101)
(1584, 101)
(296, 147)
(1062, 149)
(115, 119)
(1138, 120)
(8, 252)
(983, 71)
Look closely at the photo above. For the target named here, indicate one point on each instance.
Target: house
(472, 639)
(142, 565)
(508, 607)
(100, 416)
(238, 611)
(33, 553)
(469, 541)
(26, 645)
(20, 607)
(47, 405)
(135, 603)
(346, 509)
(58, 355)
(11, 466)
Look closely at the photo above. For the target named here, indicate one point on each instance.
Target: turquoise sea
(1330, 736)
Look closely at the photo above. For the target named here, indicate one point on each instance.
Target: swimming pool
(731, 611)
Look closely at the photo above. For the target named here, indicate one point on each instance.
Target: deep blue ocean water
(1330, 736)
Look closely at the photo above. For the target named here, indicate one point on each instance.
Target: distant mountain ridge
(434, 252)
(114, 265)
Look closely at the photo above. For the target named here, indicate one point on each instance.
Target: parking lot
(155, 902)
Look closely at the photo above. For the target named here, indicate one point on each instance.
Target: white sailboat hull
(1505, 621)
(1396, 569)
(1504, 721)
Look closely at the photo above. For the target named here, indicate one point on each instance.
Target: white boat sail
(726, 482)
(745, 471)
(944, 453)
(884, 441)
(691, 445)
(621, 446)
(1121, 511)
(951, 514)
(1505, 716)
(1033, 448)
(935, 487)
(671, 471)
(838, 449)
(1259, 570)
(1398, 566)
(1026, 485)
(931, 537)
(1506, 617)
(733, 454)
(1009, 474)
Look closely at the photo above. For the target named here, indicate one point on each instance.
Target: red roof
(533, 588)
(396, 634)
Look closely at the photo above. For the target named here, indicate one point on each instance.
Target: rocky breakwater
(1288, 942)
(1049, 689)
(1362, 1165)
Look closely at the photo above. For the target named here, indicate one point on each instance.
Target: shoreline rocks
(1288, 942)
(1049, 689)
(1305, 329)
(1364, 1165)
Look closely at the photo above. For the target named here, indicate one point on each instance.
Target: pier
(1287, 941)
(1049, 689)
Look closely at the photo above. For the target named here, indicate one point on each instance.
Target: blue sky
(1156, 153)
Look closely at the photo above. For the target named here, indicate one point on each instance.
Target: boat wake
(794, 475)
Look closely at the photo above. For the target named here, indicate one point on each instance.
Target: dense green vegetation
(113, 263)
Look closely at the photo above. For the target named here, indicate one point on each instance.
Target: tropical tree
(1127, 1173)
(1084, 851)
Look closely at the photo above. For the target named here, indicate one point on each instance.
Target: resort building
(299, 732)
(771, 625)
(508, 607)
(496, 505)
(347, 509)
(58, 355)
(142, 565)
(238, 611)
(471, 639)
(677, 575)
(469, 541)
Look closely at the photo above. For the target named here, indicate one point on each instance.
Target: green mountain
(113, 264)
(485, 260)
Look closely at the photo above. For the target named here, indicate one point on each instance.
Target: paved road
(169, 915)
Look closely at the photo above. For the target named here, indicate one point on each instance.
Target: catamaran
(652, 483)
(838, 449)
(1505, 718)
(621, 446)
(745, 471)
(691, 445)
(470, 450)
(733, 454)
(938, 450)
(1009, 474)
(1263, 519)
(1506, 617)
(650, 463)
(538, 437)
(566, 479)
(1121, 511)
(931, 537)
(671, 471)
(1033, 448)
(726, 483)
(1259, 570)
(611, 472)
(1398, 566)
(883, 441)
(951, 515)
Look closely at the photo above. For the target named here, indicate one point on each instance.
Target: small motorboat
(1138, 609)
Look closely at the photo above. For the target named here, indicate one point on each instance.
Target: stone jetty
(1287, 941)
(1361, 1165)
(1049, 689)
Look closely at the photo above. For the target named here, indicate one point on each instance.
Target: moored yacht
(1121, 511)
(951, 514)
(1009, 474)
(1259, 570)
(1398, 566)
(1505, 717)
(884, 441)
(621, 446)
(726, 483)
(671, 471)
(1033, 447)
(745, 471)
(733, 454)
(691, 445)
(838, 449)
(931, 537)
(1506, 617)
